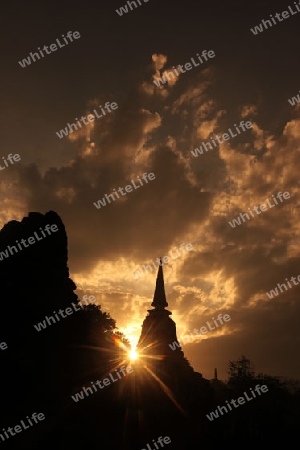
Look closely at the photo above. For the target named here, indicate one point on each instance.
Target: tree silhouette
(96, 317)
(241, 370)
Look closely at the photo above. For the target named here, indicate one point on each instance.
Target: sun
(133, 355)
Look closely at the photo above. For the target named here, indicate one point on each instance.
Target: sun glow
(133, 354)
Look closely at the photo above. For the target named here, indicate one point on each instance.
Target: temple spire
(159, 299)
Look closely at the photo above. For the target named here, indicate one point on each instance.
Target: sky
(153, 130)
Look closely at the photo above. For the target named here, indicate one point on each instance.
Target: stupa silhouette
(165, 377)
(154, 347)
(158, 329)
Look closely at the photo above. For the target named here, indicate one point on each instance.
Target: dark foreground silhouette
(42, 371)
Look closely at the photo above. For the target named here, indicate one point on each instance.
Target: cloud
(159, 61)
(249, 111)
(190, 200)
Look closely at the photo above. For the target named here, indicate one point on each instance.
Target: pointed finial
(159, 300)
